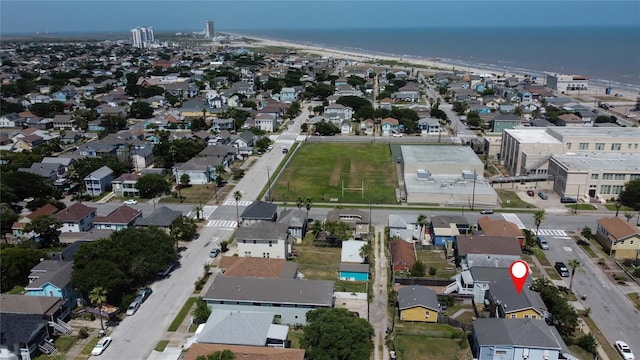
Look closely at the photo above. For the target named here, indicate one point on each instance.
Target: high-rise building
(208, 29)
(142, 37)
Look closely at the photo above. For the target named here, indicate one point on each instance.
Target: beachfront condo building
(208, 29)
(142, 37)
(564, 83)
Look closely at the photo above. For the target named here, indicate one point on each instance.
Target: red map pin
(519, 271)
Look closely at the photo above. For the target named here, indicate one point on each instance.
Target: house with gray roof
(53, 278)
(515, 339)
(288, 299)
(486, 251)
(259, 211)
(404, 227)
(243, 328)
(505, 302)
(296, 221)
(201, 170)
(98, 181)
(265, 239)
(47, 170)
(161, 218)
(27, 322)
(418, 303)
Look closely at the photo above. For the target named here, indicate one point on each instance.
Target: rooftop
(600, 161)
(432, 155)
(279, 291)
(532, 135)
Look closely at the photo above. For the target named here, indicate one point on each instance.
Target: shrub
(83, 333)
(636, 272)
(432, 271)
(588, 343)
(92, 317)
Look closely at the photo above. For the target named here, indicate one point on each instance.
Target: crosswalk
(228, 224)
(207, 210)
(286, 141)
(550, 232)
(514, 219)
(240, 203)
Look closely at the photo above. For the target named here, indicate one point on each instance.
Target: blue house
(97, 182)
(53, 278)
(354, 272)
(445, 228)
(511, 339)
(287, 94)
(504, 121)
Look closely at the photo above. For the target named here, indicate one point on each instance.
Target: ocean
(608, 56)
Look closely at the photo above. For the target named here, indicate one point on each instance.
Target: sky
(92, 16)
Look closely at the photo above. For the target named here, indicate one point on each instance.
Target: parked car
(531, 193)
(397, 134)
(270, 147)
(562, 269)
(133, 307)
(285, 150)
(543, 195)
(101, 346)
(214, 252)
(143, 294)
(167, 271)
(568, 200)
(542, 242)
(624, 350)
(131, 202)
(486, 211)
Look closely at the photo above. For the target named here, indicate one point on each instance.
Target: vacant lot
(319, 171)
(430, 341)
(511, 200)
(322, 263)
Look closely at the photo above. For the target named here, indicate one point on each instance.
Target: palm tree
(237, 195)
(574, 264)
(364, 253)
(98, 295)
(307, 204)
(422, 221)
(618, 205)
(538, 218)
(628, 216)
(299, 202)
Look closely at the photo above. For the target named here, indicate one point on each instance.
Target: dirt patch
(334, 179)
(354, 179)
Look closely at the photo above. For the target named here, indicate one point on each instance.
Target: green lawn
(430, 341)
(319, 171)
(182, 314)
(162, 344)
(430, 258)
(580, 207)
(511, 200)
(635, 299)
(612, 207)
(195, 194)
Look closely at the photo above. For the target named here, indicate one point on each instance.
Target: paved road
(378, 307)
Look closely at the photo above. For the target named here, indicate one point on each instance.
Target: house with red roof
(620, 238)
(118, 219)
(76, 218)
(403, 255)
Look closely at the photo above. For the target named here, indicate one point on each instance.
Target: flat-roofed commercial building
(598, 177)
(564, 83)
(449, 175)
(527, 150)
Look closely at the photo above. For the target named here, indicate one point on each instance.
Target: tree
(307, 205)
(538, 218)
(422, 222)
(183, 228)
(618, 205)
(46, 228)
(237, 195)
(7, 218)
(364, 252)
(151, 185)
(586, 233)
(16, 264)
(201, 312)
(574, 265)
(630, 196)
(628, 216)
(262, 144)
(337, 230)
(218, 355)
(418, 269)
(98, 296)
(140, 110)
(337, 334)
(299, 202)
(589, 343)
(529, 240)
(185, 179)
(316, 227)
(237, 173)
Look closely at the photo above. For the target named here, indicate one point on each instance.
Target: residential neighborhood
(181, 199)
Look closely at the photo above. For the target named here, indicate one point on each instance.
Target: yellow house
(505, 302)
(418, 303)
(619, 237)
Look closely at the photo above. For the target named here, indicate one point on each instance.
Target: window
(568, 146)
(616, 146)
(599, 146)
(584, 146)
(628, 146)
(605, 189)
(270, 243)
(247, 254)
(607, 176)
(618, 176)
(594, 176)
(427, 314)
(534, 317)
(616, 189)
(514, 316)
(634, 176)
(526, 316)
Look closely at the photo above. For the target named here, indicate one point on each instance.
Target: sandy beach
(623, 103)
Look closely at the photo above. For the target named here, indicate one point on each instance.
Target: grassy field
(511, 200)
(196, 194)
(322, 263)
(444, 269)
(182, 314)
(612, 207)
(319, 171)
(430, 341)
(635, 299)
(573, 207)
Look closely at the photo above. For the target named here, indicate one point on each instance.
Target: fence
(453, 322)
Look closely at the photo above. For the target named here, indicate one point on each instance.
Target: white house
(265, 122)
(429, 126)
(265, 239)
(351, 251)
(337, 110)
(76, 218)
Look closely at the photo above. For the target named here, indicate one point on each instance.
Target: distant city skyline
(167, 16)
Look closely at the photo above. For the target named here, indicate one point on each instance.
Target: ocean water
(608, 56)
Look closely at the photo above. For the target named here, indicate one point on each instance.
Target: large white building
(526, 151)
(142, 37)
(567, 82)
(593, 177)
(208, 29)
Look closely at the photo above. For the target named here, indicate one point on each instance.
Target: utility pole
(473, 197)
(269, 184)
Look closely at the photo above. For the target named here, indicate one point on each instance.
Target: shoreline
(596, 92)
